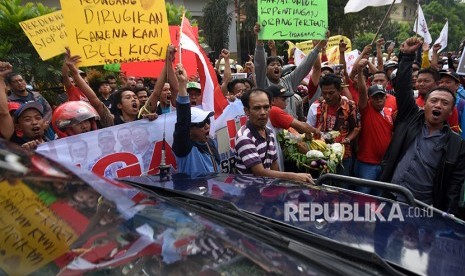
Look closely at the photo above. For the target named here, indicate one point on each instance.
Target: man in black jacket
(424, 156)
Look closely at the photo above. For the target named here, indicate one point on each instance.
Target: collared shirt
(417, 168)
(252, 149)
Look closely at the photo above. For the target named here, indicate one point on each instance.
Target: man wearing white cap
(194, 150)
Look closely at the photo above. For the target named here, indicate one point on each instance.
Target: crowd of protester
(400, 116)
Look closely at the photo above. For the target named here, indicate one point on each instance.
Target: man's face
(280, 102)
(259, 109)
(425, 82)
(104, 89)
(18, 83)
(449, 83)
(142, 96)
(274, 70)
(82, 127)
(131, 82)
(380, 79)
(414, 79)
(238, 89)
(107, 144)
(378, 101)
(32, 124)
(438, 107)
(195, 97)
(129, 103)
(165, 95)
(200, 134)
(125, 137)
(78, 152)
(139, 83)
(141, 137)
(331, 95)
(112, 83)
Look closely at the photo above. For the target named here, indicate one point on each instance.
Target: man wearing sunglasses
(194, 150)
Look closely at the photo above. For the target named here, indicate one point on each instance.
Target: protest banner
(292, 20)
(103, 32)
(239, 76)
(134, 149)
(333, 41)
(47, 34)
(152, 69)
(461, 68)
(351, 57)
(31, 234)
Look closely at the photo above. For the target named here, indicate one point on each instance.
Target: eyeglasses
(201, 124)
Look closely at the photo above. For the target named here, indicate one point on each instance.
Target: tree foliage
(16, 48)
(215, 24)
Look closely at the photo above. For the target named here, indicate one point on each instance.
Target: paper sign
(461, 68)
(238, 76)
(292, 20)
(103, 32)
(333, 41)
(351, 57)
(31, 235)
(47, 34)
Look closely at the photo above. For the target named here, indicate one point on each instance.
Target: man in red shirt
(375, 133)
(280, 119)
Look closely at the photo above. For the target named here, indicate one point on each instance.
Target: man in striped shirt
(255, 150)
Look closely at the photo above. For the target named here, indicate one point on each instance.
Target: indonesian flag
(420, 27)
(358, 5)
(212, 97)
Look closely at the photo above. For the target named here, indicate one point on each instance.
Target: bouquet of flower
(312, 154)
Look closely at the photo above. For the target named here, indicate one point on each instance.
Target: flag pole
(416, 18)
(180, 33)
(384, 20)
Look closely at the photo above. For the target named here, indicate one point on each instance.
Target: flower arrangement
(312, 154)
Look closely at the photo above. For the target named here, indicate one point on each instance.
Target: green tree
(16, 48)
(215, 24)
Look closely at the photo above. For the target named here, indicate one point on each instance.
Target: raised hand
(322, 43)
(271, 44)
(181, 75)
(171, 53)
(342, 46)
(224, 54)
(5, 68)
(380, 42)
(436, 47)
(410, 45)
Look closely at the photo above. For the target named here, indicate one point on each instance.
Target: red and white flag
(358, 5)
(420, 27)
(212, 97)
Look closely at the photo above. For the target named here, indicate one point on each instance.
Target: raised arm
(361, 84)
(167, 72)
(342, 58)
(366, 51)
(227, 75)
(303, 69)
(435, 57)
(7, 127)
(106, 118)
(259, 60)
(182, 144)
(272, 46)
(406, 105)
(379, 54)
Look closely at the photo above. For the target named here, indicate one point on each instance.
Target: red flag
(212, 96)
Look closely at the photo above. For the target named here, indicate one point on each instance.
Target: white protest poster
(461, 67)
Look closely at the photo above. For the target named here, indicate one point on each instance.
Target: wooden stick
(384, 20)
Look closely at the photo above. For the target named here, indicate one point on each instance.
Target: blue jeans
(367, 171)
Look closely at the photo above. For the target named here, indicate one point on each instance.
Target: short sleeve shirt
(279, 118)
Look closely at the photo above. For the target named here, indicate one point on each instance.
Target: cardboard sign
(292, 20)
(47, 34)
(31, 235)
(103, 32)
(333, 41)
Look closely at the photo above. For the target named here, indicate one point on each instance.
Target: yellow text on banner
(31, 235)
(103, 32)
(47, 34)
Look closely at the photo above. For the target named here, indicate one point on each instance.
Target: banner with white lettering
(134, 149)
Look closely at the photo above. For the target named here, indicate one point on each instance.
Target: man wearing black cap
(451, 80)
(280, 119)
(376, 132)
(29, 125)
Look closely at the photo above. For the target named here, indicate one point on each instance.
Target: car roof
(423, 245)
